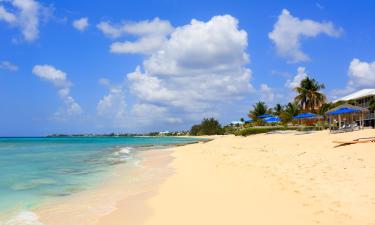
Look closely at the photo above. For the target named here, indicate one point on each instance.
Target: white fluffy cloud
(361, 74)
(113, 104)
(147, 114)
(146, 27)
(6, 16)
(112, 107)
(198, 69)
(59, 79)
(81, 24)
(151, 35)
(200, 66)
(267, 94)
(301, 74)
(24, 14)
(288, 31)
(6, 65)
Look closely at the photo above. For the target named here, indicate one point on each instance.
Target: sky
(139, 66)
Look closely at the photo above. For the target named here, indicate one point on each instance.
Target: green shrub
(207, 127)
(230, 129)
(260, 130)
(195, 130)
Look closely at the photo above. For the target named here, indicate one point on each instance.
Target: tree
(208, 126)
(309, 97)
(195, 130)
(324, 108)
(290, 110)
(259, 109)
(278, 109)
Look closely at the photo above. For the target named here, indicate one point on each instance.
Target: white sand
(264, 179)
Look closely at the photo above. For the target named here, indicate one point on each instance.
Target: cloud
(361, 74)
(301, 74)
(197, 70)
(6, 65)
(7, 16)
(288, 31)
(272, 95)
(24, 15)
(151, 35)
(81, 24)
(112, 105)
(59, 79)
(201, 66)
(142, 28)
(161, 114)
(53, 75)
(145, 45)
(266, 93)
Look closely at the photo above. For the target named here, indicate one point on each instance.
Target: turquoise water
(36, 169)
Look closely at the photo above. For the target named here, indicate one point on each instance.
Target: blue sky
(136, 66)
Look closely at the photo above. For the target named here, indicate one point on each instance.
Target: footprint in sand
(306, 204)
(337, 204)
(318, 212)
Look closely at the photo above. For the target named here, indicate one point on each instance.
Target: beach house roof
(346, 108)
(356, 95)
(237, 122)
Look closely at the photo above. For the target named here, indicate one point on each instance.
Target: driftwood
(355, 141)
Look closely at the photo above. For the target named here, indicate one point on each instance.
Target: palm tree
(290, 110)
(324, 108)
(309, 97)
(259, 109)
(278, 109)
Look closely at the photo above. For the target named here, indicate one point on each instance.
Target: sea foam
(24, 218)
(123, 151)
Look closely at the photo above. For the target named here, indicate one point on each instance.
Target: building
(362, 98)
(164, 133)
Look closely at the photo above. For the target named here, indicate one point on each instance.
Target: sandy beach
(281, 178)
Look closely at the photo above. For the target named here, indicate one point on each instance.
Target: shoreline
(151, 159)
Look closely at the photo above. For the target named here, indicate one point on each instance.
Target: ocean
(34, 170)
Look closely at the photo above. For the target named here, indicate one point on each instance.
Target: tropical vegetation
(208, 126)
(309, 96)
(260, 108)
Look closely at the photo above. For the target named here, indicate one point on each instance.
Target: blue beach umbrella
(264, 116)
(305, 116)
(272, 120)
(249, 121)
